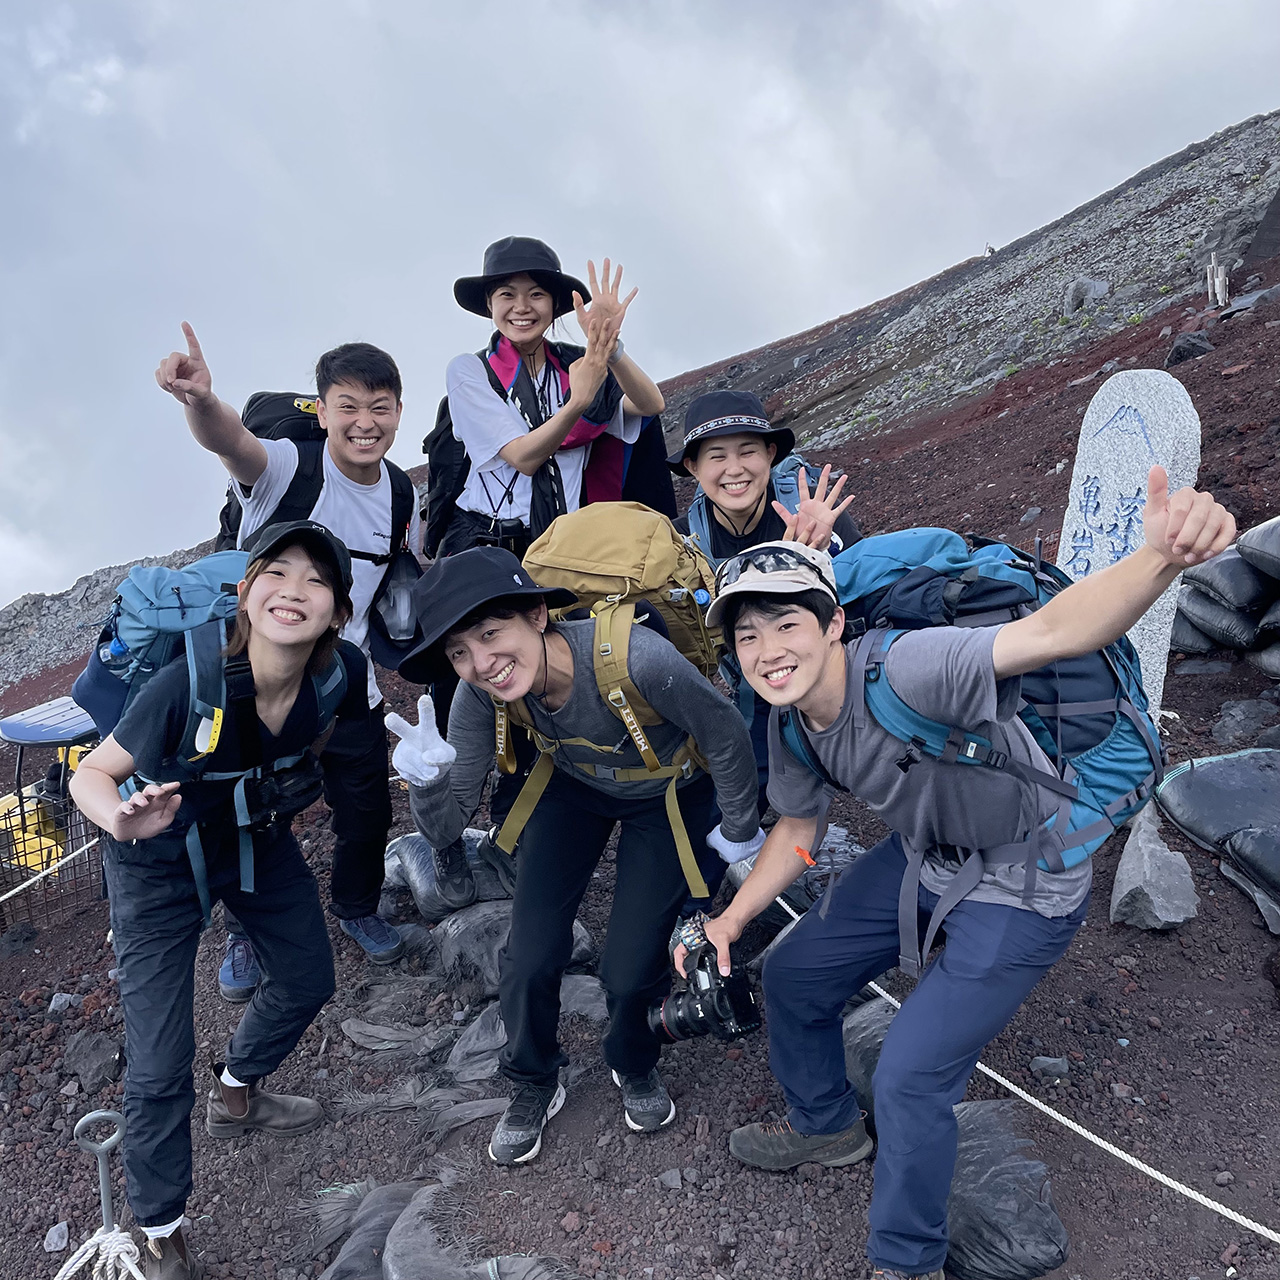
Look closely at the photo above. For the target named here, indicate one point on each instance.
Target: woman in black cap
(487, 619)
(294, 599)
(545, 425)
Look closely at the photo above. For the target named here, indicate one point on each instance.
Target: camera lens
(678, 1017)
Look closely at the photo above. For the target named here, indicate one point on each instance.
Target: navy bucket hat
(728, 413)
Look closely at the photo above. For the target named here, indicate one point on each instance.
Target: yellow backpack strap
(506, 715)
(684, 849)
(525, 803)
(612, 641)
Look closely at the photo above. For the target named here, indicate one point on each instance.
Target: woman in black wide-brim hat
(485, 618)
(547, 426)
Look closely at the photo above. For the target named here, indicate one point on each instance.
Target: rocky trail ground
(1171, 1038)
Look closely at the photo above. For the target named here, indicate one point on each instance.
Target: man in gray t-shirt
(953, 826)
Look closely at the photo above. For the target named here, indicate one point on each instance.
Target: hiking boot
(236, 1110)
(170, 1258)
(646, 1104)
(239, 975)
(454, 882)
(381, 942)
(779, 1146)
(503, 865)
(880, 1274)
(518, 1137)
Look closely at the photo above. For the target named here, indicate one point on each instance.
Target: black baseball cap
(315, 538)
(458, 585)
(728, 413)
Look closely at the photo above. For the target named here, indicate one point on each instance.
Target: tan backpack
(612, 555)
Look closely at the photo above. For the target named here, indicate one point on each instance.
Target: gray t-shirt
(947, 674)
(685, 699)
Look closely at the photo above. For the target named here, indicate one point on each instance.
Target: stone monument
(1137, 419)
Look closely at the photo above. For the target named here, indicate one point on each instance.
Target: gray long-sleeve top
(672, 686)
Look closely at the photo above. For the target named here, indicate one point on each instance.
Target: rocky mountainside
(1114, 262)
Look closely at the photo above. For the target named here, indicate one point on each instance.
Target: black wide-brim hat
(458, 585)
(518, 255)
(728, 413)
(320, 543)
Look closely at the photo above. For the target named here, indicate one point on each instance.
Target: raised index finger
(193, 343)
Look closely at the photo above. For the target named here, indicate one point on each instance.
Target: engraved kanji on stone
(1081, 555)
(1125, 529)
(1091, 504)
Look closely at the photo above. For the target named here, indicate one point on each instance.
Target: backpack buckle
(911, 756)
(606, 771)
(997, 759)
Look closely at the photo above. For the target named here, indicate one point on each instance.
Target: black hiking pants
(156, 924)
(559, 850)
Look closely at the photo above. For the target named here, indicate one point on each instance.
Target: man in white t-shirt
(358, 406)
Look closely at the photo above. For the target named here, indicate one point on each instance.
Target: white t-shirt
(485, 424)
(359, 514)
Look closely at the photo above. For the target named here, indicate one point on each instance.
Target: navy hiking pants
(994, 956)
(156, 923)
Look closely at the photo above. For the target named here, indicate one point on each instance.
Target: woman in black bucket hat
(545, 424)
(487, 619)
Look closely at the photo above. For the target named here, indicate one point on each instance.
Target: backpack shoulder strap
(700, 528)
(303, 493)
(331, 687)
(798, 745)
(494, 381)
(207, 685)
(613, 677)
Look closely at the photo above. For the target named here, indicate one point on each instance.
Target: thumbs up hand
(1187, 527)
(422, 755)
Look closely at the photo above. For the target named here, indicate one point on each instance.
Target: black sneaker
(518, 1137)
(503, 865)
(454, 882)
(880, 1274)
(779, 1146)
(646, 1104)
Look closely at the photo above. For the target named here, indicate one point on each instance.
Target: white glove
(421, 755)
(735, 852)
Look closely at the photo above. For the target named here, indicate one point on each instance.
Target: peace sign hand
(421, 755)
(814, 521)
(1188, 527)
(147, 813)
(186, 377)
(604, 299)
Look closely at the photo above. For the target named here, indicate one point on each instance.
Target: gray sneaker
(646, 1104)
(454, 882)
(779, 1146)
(518, 1137)
(503, 865)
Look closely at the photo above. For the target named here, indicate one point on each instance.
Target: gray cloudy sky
(291, 174)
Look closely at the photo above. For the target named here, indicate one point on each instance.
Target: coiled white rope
(1163, 1178)
(114, 1252)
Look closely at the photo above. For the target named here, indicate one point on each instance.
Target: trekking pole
(116, 1253)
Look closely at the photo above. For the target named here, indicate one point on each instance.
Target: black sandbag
(1229, 628)
(1256, 851)
(1267, 660)
(1260, 546)
(1269, 626)
(1212, 798)
(412, 854)
(837, 853)
(1000, 1216)
(1232, 581)
(360, 1257)
(1186, 637)
(470, 941)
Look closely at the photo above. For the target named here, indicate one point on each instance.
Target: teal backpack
(163, 614)
(1088, 714)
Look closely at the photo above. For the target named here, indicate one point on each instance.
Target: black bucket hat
(455, 586)
(517, 255)
(728, 413)
(320, 542)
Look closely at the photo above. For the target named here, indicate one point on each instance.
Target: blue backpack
(160, 615)
(786, 486)
(1088, 714)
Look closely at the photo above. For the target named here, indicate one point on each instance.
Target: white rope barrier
(1132, 1161)
(48, 871)
(115, 1252)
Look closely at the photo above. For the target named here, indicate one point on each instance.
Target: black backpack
(279, 415)
(447, 467)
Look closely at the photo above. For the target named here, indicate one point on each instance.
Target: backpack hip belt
(683, 765)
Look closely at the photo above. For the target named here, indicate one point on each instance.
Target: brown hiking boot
(779, 1146)
(233, 1112)
(170, 1258)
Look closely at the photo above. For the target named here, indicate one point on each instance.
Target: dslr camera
(725, 1007)
(511, 535)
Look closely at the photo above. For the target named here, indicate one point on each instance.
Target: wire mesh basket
(50, 860)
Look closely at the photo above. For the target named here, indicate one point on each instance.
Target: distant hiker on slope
(1009, 915)
(294, 599)
(351, 490)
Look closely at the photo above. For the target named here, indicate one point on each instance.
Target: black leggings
(559, 849)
